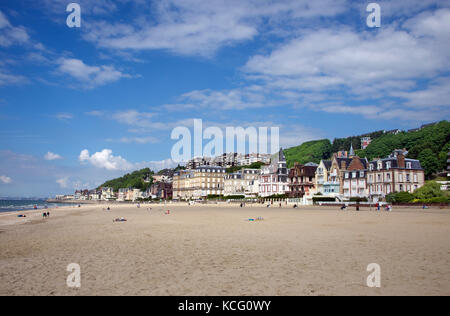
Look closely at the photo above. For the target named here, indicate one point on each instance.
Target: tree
(430, 190)
(429, 162)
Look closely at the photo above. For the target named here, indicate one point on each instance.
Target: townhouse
(301, 179)
(244, 182)
(394, 174)
(274, 177)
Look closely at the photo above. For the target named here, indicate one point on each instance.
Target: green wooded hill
(131, 180)
(312, 151)
(430, 145)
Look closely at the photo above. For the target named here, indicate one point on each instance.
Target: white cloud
(105, 159)
(197, 27)
(11, 35)
(137, 140)
(64, 116)
(10, 79)
(89, 76)
(5, 179)
(52, 156)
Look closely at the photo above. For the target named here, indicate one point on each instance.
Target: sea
(24, 205)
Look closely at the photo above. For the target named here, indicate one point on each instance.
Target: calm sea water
(22, 205)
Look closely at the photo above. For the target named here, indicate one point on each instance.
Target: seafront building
(244, 182)
(274, 177)
(198, 183)
(394, 174)
(301, 180)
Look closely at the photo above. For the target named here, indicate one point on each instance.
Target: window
(380, 165)
(354, 174)
(346, 175)
(371, 167)
(361, 174)
(408, 165)
(408, 179)
(400, 178)
(415, 178)
(388, 165)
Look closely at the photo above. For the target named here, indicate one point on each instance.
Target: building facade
(244, 182)
(198, 183)
(301, 180)
(394, 174)
(274, 177)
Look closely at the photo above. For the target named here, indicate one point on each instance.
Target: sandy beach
(215, 250)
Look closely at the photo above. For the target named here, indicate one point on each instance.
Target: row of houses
(343, 177)
(160, 189)
(228, 160)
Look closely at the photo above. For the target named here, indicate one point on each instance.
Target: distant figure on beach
(44, 215)
(108, 209)
(241, 205)
(35, 207)
(280, 204)
(357, 207)
(120, 220)
(295, 206)
(343, 207)
(48, 214)
(425, 207)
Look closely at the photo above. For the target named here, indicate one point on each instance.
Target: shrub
(430, 190)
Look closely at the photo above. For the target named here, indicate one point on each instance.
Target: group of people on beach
(46, 214)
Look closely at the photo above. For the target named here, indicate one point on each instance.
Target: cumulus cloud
(89, 76)
(5, 179)
(52, 156)
(105, 159)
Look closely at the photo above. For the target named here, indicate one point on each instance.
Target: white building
(274, 178)
(244, 182)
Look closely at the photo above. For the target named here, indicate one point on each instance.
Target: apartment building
(394, 174)
(301, 179)
(354, 182)
(199, 182)
(244, 182)
(274, 177)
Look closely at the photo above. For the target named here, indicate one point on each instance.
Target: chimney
(401, 160)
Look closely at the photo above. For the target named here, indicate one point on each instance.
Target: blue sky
(82, 105)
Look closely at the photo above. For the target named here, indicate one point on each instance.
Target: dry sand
(213, 250)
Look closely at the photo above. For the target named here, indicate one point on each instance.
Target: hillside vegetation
(430, 145)
(131, 180)
(312, 151)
